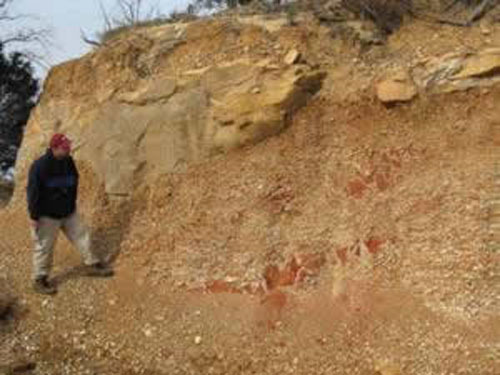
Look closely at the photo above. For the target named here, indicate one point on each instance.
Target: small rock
(256, 90)
(398, 88)
(386, 368)
(292, 57)
(197, 340)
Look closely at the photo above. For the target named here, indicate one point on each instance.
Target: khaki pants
(45, 238)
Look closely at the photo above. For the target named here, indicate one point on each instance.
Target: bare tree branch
(128, 13)
(27, 36)
(108, 23)
(24, 39)
(89, 41)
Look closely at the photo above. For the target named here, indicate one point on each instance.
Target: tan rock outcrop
(459, 71)
(129, 112)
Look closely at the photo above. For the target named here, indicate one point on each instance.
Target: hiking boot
(98, 270)
(42, 285)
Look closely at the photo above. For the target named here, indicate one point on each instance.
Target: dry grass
(386, 14)
(116, 32)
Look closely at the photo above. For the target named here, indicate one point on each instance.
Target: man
(52, 192)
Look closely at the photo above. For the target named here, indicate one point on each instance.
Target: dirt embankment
(357, 240)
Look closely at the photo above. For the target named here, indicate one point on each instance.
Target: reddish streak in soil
(342, 255)
(379, 171)
(275, 300)
(272, 276)
(220, 286)
(295, 270)
(356, 188)
(273, 305)
(289, 274)
(373, 245)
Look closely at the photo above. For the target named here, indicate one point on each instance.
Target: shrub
(291, 14)
(386, 14)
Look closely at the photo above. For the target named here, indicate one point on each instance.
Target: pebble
(292, 57)
(197, 340)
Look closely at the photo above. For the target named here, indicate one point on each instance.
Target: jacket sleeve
(33, 191)
(77, 176)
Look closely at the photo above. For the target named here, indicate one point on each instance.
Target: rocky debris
(397, 88)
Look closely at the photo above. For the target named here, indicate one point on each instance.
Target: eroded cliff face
(360, 239)
(133, 108)
(155, 100)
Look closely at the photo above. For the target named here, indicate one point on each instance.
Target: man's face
(60, 152)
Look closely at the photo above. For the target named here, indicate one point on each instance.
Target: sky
(66, 19)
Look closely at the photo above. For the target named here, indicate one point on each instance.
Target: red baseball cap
(60, 141)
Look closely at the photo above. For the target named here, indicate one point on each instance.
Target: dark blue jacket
(52, 187)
